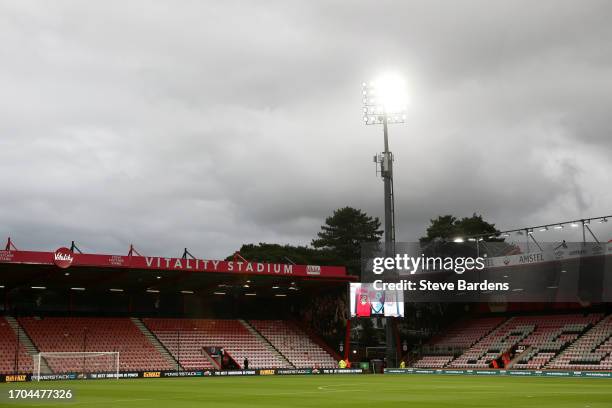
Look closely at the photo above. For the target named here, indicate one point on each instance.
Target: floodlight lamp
(458, 240)
(390, 91)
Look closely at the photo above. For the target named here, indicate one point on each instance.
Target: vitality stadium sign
(64, 258)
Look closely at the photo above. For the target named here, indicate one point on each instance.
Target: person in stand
(245, 363)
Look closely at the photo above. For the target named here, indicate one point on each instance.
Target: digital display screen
(366, 301)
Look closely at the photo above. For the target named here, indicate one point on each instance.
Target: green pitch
(371, 391)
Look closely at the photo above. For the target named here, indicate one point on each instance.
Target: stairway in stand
(265, 341)
(155, 342)
(27, 343)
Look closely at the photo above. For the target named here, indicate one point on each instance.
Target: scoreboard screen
(366, 301)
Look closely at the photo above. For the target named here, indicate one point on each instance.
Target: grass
(331, 391)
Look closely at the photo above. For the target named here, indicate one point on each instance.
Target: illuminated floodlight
(384, 99)
(458, 240)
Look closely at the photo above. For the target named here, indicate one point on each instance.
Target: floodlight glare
(390, 92)
(384, 100)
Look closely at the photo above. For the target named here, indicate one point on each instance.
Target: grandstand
(266, 344)
(195, 336)
(15, 358)
(294, 344)
(159, 314)
(592, 351)
(71, 334)
(561, 341)
(180, 314)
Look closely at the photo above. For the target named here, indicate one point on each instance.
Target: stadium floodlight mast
(384, 103)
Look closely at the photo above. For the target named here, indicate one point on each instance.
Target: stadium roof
(64, 268)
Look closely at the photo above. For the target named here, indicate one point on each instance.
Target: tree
(275, 253)
(447, 227)
(343, 234)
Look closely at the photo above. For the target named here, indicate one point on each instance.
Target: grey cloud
(208, 125)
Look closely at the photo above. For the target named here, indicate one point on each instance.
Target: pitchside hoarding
(179, 374)
(489, 373)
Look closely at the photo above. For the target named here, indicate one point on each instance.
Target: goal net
(76, 362)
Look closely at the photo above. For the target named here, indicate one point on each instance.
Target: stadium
(109, 326)
(306, 204)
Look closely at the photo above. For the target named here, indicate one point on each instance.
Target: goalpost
(77, 362)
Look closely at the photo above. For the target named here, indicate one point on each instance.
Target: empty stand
(457, 338)
(15, 358)
(433, 361)
(294, 344)
(187, 340)
(542, 337)
(466, 333)
(72, 334)
(593, 351)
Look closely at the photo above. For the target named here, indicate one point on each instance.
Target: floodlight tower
(384, 103)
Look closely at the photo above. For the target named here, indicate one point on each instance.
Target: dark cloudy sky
(206, 124)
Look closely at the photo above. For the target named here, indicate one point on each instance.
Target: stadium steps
(27, 343)
(155, 342)
(485, 334)
(518, 357)
(316, 339)
(265, 341)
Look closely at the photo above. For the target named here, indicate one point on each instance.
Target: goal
(76, 362)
